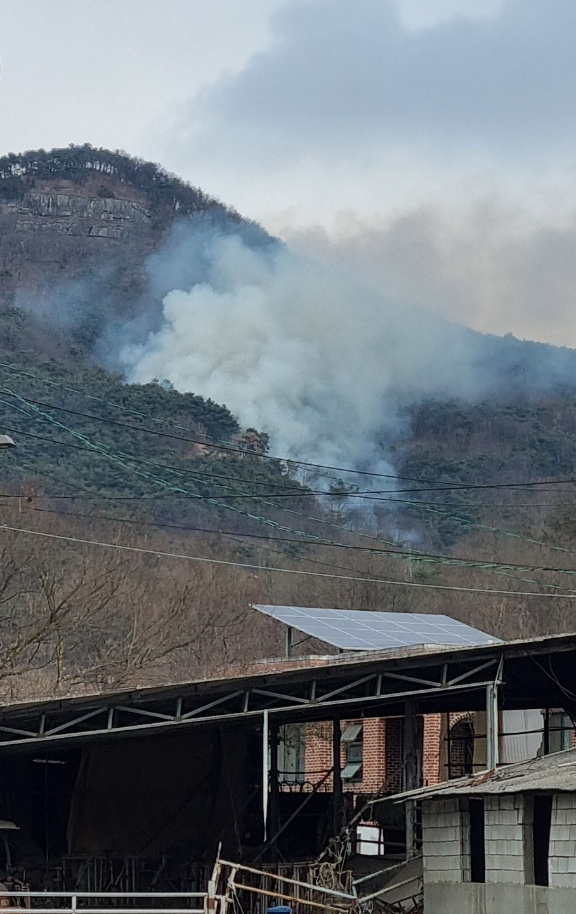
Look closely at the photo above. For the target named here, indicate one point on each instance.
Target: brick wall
(432, 736)
(318, 754)
(394, 753)
(382, 753)
(373, 755)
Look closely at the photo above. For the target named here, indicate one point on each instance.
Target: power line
(571, 595)
(127, 463)
(416, 556)
(215, 443)
(370, 494)
(376, 496)
(93, 448)
(104, 451)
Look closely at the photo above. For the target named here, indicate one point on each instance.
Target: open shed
(142, 785)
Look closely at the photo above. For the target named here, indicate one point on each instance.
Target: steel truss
(316, 698)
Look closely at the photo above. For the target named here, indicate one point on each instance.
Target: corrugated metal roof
(556, 772)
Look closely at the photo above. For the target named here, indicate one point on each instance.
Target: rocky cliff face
(77, 225)
(59, 230)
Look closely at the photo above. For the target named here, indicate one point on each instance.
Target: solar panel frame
(355, 630)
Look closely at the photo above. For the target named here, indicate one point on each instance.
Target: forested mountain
(116, 492)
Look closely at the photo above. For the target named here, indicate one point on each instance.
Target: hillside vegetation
(139, 523)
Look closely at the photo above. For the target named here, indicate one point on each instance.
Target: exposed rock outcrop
(60, 227)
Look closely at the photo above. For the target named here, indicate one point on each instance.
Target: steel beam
(298, 712)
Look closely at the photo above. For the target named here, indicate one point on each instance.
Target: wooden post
(411, 773)
(336, 776)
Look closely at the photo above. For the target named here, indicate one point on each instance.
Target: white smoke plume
(322, 363)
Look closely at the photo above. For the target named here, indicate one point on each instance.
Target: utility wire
(215, 442)
(246, 452)
(438, 558)
(92, 447)
(370, 494)
(127, 460)
(571, 595)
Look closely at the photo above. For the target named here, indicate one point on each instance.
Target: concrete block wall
(445, 840)
(562, 857)
(504, 830)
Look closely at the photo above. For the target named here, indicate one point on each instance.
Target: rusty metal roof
(555, 772)
(535, 672)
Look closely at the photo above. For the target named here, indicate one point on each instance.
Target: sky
(426, 145)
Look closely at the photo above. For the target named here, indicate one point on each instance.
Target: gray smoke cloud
(323, 363)
(496, 267)
(347, 79)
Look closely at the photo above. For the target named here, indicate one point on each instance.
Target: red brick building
(371, 754)
(372, 749)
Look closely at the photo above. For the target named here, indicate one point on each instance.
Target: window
(460, 747)
(291, 748)
(477, 840)
(541, 822)
(352, 741)
(560, 731)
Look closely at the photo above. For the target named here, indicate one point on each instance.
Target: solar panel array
(358, 630)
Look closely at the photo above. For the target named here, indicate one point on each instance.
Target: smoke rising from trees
(327, 366)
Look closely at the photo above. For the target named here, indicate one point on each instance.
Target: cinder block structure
(503, 843)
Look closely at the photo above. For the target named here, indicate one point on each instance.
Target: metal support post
(547, 731)
(448, 747)
(411, 776)
(288, 641)
(274, 811)
(265, 772)
(492, 727)
(336, 776)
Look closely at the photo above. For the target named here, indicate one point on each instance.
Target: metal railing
(107, 901)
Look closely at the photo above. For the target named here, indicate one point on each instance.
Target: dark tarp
(177, 795)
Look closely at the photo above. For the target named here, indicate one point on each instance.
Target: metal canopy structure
(358, 630)
(535, 673)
